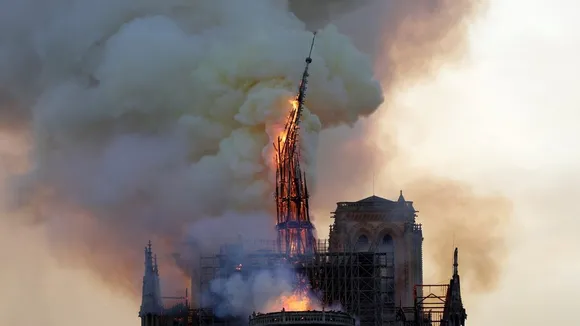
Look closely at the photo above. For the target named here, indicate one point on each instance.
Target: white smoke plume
(239, 294)
(247, 290)
(210, 233)
(259, 292)
(145, 116)
(262, 291)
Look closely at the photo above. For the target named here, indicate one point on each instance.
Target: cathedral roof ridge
(372, 201)
(375, 199)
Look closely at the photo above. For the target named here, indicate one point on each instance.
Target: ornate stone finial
(401, 198)
(455, 263)
(155, 267)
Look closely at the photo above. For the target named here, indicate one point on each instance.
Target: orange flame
(297, 301)
(283, 133)
(280, 131)
(294, 104)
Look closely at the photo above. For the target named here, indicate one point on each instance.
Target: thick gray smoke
(149, 119)
(263, 291)
(146, 116)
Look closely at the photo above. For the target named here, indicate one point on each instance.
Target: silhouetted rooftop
(376, 203)
(376, 200)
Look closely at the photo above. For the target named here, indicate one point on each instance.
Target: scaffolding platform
(430, 301)
(362, 283)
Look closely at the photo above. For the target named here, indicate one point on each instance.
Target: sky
(504, 120)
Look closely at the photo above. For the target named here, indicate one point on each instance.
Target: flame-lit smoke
(157, 114)
(262, 291)
(118, 110)
(301, 299)
(296, 301)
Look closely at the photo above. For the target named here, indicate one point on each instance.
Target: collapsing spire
(151, 296)
(295, 230)
(454, 313)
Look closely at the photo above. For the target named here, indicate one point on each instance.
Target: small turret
(454, 313)
(455, 265)
(155, 267)
(151, 306)
(401, 198)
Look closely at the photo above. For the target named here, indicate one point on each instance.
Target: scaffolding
(430, 301)
(176, 311)
(358, 281)
(362, 283)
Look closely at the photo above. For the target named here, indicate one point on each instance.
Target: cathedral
(371, 264)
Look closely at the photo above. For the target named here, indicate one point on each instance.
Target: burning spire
(295, 230)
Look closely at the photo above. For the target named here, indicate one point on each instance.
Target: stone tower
(151, 305)
(376, 224)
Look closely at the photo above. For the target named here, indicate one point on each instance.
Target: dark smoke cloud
(453, 214)
(146, 117)
(428, 35)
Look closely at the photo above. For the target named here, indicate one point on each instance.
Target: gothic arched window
(362, 243)
(387, 244)
(387, 239)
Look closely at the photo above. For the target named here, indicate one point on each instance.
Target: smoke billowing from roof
(147, 116)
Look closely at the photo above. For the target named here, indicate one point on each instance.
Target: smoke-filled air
(147, 116)
(134, 120)
(410, 42)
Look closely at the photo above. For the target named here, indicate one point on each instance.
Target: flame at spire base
(299, 300)
(295, 302)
